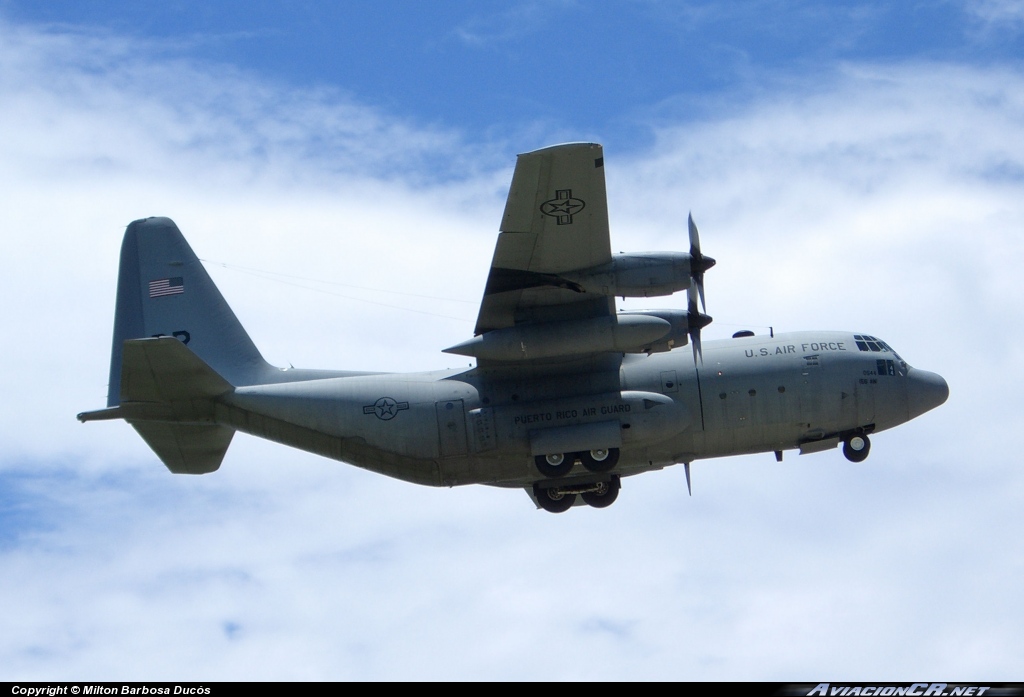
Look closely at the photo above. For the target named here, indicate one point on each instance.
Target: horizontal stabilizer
(163, 369)
(186, 449)
(108, 414)
(167, 395)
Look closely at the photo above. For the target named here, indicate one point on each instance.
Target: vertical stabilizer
(163, 290)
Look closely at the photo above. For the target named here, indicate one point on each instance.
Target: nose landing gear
(856, 448)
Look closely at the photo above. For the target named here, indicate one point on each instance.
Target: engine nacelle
(678, 335)
(642, 275)
(625, 333)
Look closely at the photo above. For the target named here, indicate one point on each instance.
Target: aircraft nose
(925, 391)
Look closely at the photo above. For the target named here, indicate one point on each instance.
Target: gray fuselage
(804, 390)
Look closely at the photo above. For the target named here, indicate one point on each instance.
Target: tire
(854, 453)
(604, 498)
(601, 460)
(554, 465)
(553, 500)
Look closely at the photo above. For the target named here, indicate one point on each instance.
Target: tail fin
(163, 290)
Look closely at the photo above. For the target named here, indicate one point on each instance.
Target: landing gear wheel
(856, 448)
(553, 500)
(600, 460)
(554, 465)
(605, 496)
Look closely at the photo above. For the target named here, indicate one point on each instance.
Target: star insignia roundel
(563, 206)
(385, 408)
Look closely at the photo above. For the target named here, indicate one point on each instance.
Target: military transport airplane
(568, 395)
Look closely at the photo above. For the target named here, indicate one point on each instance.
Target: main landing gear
(558, 499)
(559, 464)
(554, 465)
(856, 448)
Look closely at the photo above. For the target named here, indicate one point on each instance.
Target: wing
(555, 221)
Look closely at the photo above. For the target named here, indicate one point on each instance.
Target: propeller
(695, 321)
(698, 262)
(698, 265)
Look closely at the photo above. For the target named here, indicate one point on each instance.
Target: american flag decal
(166, 286)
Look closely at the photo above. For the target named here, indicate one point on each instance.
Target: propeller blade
(698, 262)
(686, 468)
(694, 323)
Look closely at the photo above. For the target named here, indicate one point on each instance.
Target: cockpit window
(870, 343)
(885, 367)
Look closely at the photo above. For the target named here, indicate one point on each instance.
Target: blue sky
(852, 166)
(605, 70)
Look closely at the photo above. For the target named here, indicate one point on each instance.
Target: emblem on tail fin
(166, 286)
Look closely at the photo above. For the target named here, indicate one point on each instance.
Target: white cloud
(497, 29)
(997, 13)
(887, 200)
